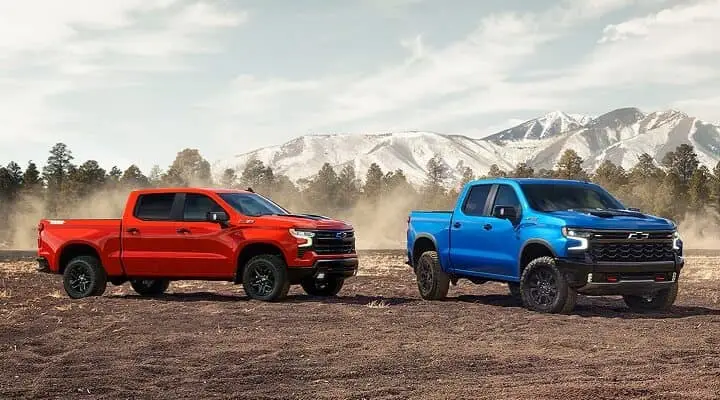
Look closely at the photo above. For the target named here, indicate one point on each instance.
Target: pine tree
(374, 182)
(699, 189)
(188, 168)
(610, 176)
(523, 170)
(496, 172)
(348, 189)
(32, 183)
(88, 177)
(229, 178)
(134, 178)
(323, 189)
(570, 166)
(155, 176)
(683, 162)
(433, 191)
(56, 172)
(468, 176)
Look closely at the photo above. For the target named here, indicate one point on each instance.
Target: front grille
(632, 251)
(334, 242)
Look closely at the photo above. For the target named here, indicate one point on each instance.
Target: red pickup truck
(199, 234)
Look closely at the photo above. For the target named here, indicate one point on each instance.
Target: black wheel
(432, 281)
(265, 278)
(330, 286)
(659, 301)
(514, 288)
(150, 287)
(543, 288)
(83, 277)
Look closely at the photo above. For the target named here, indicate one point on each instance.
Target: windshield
(560, 197)
(252, 205)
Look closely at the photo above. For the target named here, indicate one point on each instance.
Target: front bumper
(336, 267)
(607, 279)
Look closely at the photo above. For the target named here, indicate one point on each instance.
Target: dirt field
(377, 341)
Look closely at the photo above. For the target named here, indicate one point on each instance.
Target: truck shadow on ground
(187, 297)
(595, 307)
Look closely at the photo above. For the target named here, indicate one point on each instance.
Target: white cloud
(51, 48)
(674, 18)
(706, 108)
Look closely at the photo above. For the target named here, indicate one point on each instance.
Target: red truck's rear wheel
(329, 286)
(265, 278)
(83, 277)
(150, 287)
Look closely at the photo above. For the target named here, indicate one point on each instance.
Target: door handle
(132, 230)
(487, 227)
(457, 225)
(183, 230)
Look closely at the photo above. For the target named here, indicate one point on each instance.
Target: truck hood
(612, 219)
(307, 221)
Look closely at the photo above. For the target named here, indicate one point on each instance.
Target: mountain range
(620, 136)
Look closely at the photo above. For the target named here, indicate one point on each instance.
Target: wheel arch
(252, 250)
(422, 243)
(532, 249)
(75, 249)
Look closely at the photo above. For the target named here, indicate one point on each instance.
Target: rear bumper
(43, 265)
(620, 278)
(336, 267)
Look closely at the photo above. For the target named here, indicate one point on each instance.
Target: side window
(506, 196)
(154, 207)
(197, 206)
(475, 203)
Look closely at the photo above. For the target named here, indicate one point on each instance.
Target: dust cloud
(379, 224)
(700, 231)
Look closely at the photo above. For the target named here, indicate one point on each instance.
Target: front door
(502, 240)
(209, 248)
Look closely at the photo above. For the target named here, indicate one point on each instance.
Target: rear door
(209, 248)
(469, 230)
(151, 244)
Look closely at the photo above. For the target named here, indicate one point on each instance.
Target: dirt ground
(378, 340)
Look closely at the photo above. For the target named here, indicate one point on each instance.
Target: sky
(136, 81)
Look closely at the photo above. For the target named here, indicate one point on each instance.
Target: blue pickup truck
(549, 240)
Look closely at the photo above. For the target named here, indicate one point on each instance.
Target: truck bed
(434, 225)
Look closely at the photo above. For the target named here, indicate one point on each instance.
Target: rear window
(476, 199)
(155, 207)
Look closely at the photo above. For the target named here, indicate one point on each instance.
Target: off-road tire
(330, 286)
(660, 301)
(433, 283)
(150, 287)
(543, 288)
(265, 278)
(83, 277)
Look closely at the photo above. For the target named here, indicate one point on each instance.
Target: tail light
(40, 228)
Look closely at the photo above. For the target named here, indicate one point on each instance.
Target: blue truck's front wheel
(543, 287)
(432, 281)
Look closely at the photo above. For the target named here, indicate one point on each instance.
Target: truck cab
(549, 240)
(174, 234)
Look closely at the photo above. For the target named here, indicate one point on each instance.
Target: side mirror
(218, 216)
(505, 212)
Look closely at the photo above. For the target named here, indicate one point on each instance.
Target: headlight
(677, 241)
(577, 235)
(305, 236)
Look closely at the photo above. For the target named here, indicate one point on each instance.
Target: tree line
(673, 187)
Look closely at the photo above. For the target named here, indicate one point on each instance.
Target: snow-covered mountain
(620, 136)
